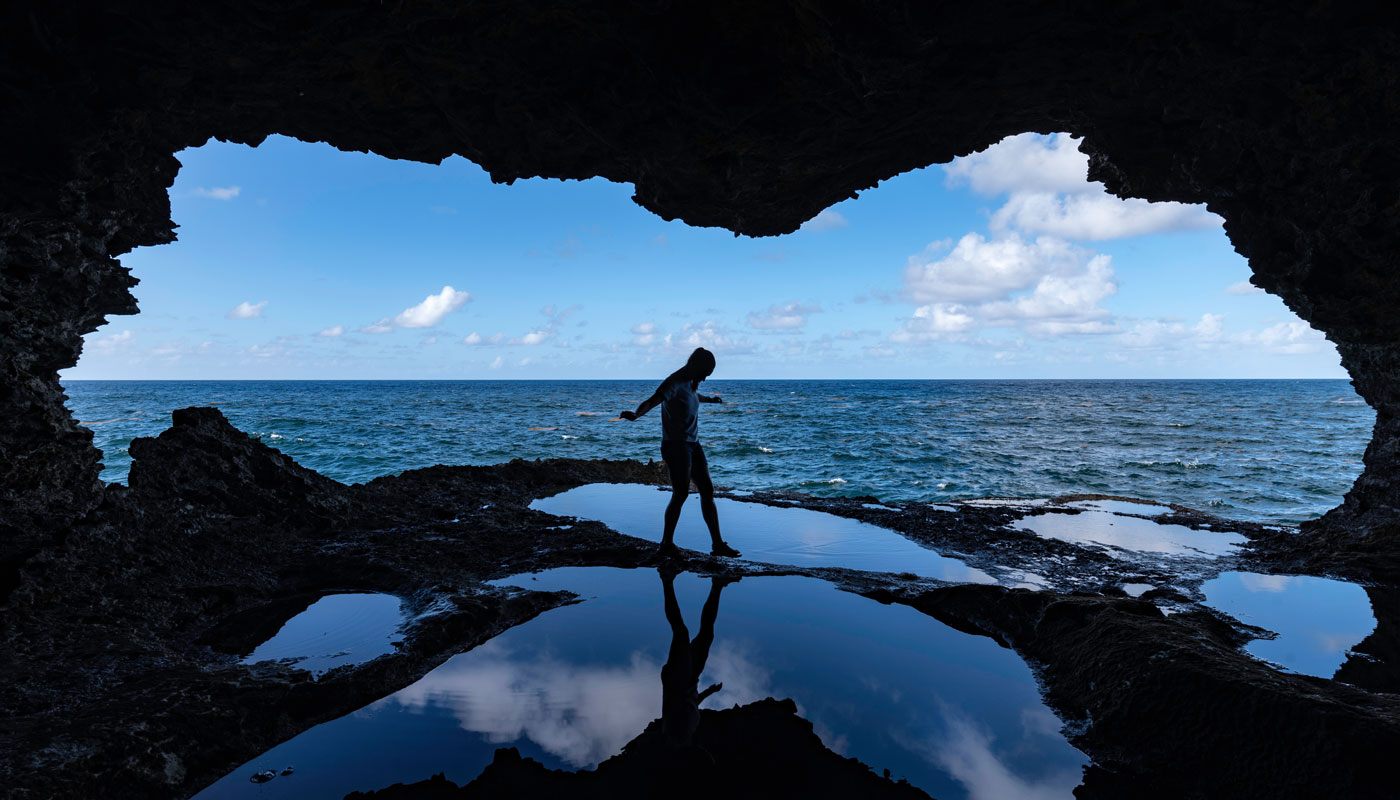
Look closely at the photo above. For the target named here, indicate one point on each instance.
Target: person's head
(700, 364)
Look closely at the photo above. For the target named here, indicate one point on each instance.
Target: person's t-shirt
(680, 411)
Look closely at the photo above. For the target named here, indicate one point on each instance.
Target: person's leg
(700, 473)
(677, 457)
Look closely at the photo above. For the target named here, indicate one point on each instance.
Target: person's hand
(630, 416)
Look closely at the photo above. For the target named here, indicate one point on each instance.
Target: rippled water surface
(1275, 451)
(956, 714)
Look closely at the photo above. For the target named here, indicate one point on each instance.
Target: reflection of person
(680, 447)
(680, 677)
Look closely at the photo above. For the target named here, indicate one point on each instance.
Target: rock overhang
(743, 116)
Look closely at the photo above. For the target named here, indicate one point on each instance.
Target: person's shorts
(682, 455)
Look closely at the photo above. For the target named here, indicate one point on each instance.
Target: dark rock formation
(1279, 116)
(120, 642)
(761, 750)
(1170, 707)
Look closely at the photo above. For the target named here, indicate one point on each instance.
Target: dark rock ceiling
(750, 116)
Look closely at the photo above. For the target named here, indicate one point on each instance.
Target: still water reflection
(1317, 619)
(762, 533)
(954, 713)
(334, 631)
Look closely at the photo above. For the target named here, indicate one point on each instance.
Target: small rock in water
(287, 771)
(262, 777)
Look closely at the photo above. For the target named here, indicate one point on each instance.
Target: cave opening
(301, 262)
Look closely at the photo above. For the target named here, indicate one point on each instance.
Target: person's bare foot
(723, 549)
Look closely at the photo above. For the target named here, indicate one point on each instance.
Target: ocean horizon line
(654, 378)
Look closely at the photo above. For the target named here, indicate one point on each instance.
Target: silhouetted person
(680, 447)
(680, 677)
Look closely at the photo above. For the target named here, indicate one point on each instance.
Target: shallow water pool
(1318, 620)
(794, 536)
(1118, 533)
(957, 715)
(335, 631)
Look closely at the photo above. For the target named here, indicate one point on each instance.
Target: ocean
(1273, 451)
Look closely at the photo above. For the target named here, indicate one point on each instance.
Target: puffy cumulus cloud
(433, 308)
(1046, 180)
(1026, 162)
(500, 360)
(827, 220)
(933, 322)
(332, 332)
(1096, 215)
(978, 269)
(537, 336)
(708, 334)
(1243, 287)
(792, 315)
(472, 338)
(218, 192)
(1060, 303)
(644, 334)
(1046, 287)
(247, 310)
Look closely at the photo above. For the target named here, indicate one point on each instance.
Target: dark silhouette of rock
(1279, 116)
(205, 464)
(761, 750)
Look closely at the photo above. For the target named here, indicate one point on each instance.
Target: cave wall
(749, 116)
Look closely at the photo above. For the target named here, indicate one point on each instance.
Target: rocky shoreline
(122, 640)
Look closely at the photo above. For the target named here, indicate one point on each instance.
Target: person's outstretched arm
(704, 398)
(648, 404)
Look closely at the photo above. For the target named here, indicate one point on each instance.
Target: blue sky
(296, 260)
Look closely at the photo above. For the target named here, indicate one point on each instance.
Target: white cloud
(1026, 162)
(430, 340)
(1286, 338)
(247, 310)
(332, 332)
(709, 334)
(1096, 215)
(1046, 180)
(498, 362)
(472, 338)
(1060, 303)
(217, 192)
(382, 326)
(827, 220)
(792, 315)
(1243, 287)
(433, 308)
(933, 322)
(644, 333)
(978, 269)
(1047, 287)
(537, 336)
(111, 344)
